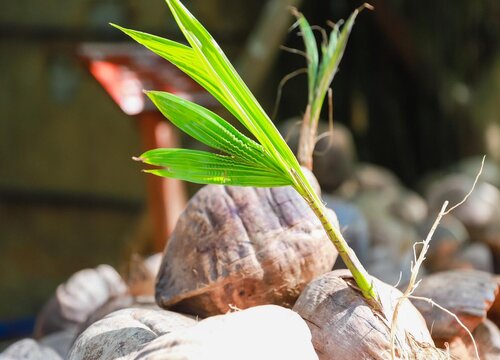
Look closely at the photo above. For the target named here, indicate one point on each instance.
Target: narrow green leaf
(329, 64)
(311, 51)
(182, 56)
(209, 128)
(206, 168)
(242, 102)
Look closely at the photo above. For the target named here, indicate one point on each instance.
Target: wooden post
(166, 197)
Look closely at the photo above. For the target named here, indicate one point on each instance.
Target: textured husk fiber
(344, 326)
(244, 247)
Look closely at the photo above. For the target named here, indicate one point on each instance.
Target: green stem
(359, 273)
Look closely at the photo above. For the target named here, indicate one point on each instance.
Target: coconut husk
(391, 248)
(115, 304)
(264, 332)
(468, 294)
(77, 298)
(487, 338)
(469, 166)
(477, 212)
(370, 177)
(244, 247)
(29, 349)
(334, 156)
(140, 274)
(409, 207)
(494, 311)
(448, 240)
(122, 333)
(476, 256)
(344, 326)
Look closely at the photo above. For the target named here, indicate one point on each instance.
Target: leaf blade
(243, 103)
(311, 51)
(181, 56)
(209, 128)
(207, 168)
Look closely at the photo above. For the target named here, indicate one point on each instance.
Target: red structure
(124, 71)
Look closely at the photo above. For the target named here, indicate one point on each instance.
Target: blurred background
(418, 88)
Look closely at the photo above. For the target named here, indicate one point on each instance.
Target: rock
(467, 293)
(29, 349)
(242, 246)
(77, 298)
(344, 326)
(124, 332)
(266, 332)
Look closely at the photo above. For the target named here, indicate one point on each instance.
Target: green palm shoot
(320, 74)
(264, 162)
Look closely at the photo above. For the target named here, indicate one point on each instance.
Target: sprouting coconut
(240, 246)
(344, 326)
(244, 162)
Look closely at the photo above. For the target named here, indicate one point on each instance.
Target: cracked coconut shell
(242, 247)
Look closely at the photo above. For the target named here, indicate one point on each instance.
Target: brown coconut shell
(494, 311)
(266, 332)
(122, 333)
(243, 247)
(344, 326)
(468, 294)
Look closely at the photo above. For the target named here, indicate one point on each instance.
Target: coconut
(487, 339)
(243, 247)
(29, 349)
(334, 156)
(124, 332)
(77, 298)
(266, 332)
(468, 294)
(344, 326)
